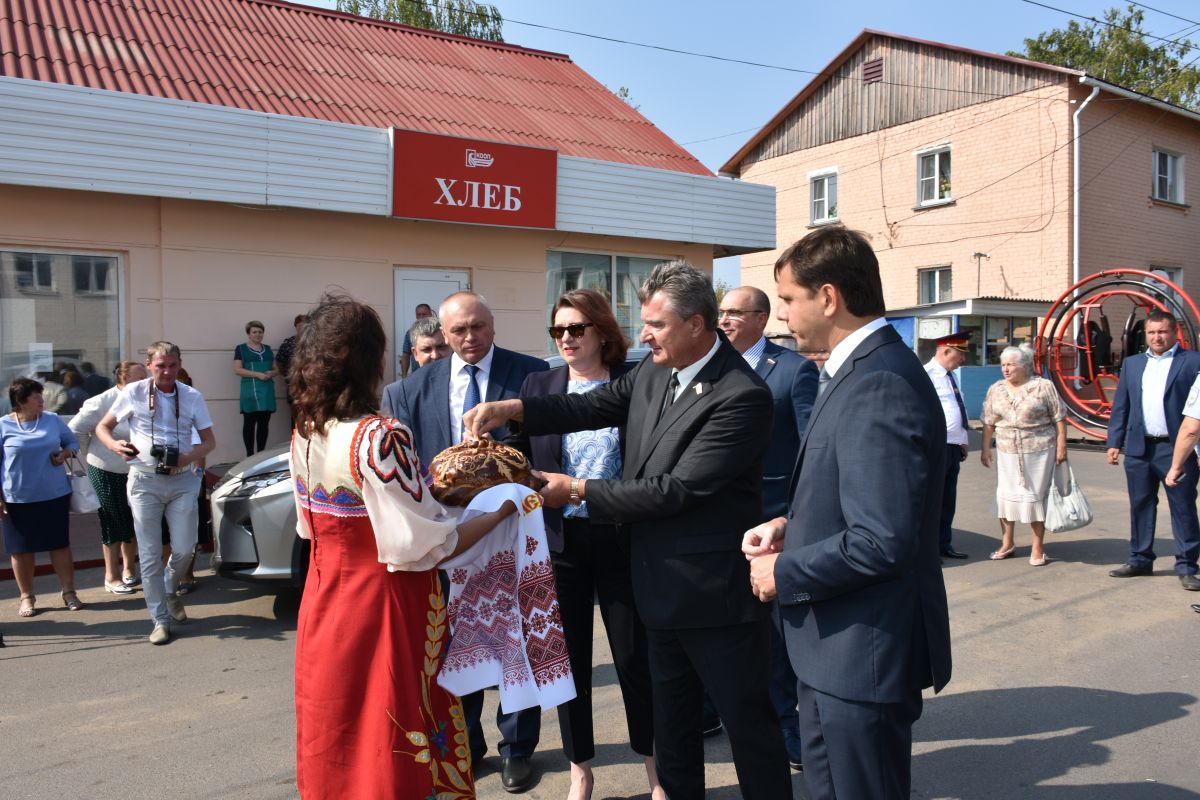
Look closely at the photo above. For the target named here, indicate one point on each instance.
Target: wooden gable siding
(844, 106)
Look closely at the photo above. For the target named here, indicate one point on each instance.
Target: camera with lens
(166, 458)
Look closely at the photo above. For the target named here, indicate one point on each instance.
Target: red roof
(273, 56)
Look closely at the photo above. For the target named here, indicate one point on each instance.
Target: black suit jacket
(860, 585)
(422, 400)
(792, 379)
(545, 451)
(692, 484)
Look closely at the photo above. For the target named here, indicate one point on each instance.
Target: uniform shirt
(459, 379)
(146, 430)
(1154, 386)
(955, 432)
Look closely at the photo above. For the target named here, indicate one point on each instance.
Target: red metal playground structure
(1076, 348)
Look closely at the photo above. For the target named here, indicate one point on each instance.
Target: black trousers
(733, 664)
(254, 430)
(594, 567)
(857, 749)
(954, 458)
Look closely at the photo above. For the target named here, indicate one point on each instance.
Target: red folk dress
(371, 721)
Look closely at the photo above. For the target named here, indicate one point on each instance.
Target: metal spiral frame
(1070, 361)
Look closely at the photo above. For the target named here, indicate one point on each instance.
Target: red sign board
(466, 180)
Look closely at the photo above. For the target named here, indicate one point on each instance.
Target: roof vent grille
(873, 71)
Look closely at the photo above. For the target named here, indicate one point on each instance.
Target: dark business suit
(692, 486)
(591, 568)
(422, 402)
(792, 379)
(859, 581)
(1147, 461)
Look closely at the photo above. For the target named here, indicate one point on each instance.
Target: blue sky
(712, 107)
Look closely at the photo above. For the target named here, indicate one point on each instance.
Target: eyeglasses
(738, 313)
(575, 330)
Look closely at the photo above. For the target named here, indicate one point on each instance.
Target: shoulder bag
(1066, 507)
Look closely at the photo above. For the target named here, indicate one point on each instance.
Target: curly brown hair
(593, 306)
(338, 364)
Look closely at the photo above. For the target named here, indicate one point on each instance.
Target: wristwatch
(575, 498)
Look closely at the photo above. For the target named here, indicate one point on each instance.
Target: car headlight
(251, 486)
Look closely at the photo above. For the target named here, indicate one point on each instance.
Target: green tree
(720, 287)
(464, 17)
(1119, 51)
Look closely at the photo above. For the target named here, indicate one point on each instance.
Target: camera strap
(151, 402)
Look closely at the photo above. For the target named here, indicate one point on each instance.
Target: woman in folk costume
(371, 721)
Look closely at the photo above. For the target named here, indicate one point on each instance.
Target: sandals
(998, 555)
(188, 586)
(1037, 561)
(71, 601)
(28, 606)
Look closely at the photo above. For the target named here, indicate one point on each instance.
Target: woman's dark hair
(338, 364)
(72, 378)
(592, 305)
(20, 390)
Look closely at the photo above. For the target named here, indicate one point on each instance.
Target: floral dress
(371, 720)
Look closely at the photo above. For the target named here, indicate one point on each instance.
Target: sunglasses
(576, 330)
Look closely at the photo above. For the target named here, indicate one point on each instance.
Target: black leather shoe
(711, 727)
(1130, 571)
(950, 552)
(1190, 582)
(516, 774)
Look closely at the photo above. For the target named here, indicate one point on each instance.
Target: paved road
(1067, 685)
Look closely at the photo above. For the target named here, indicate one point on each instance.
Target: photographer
(165, 417)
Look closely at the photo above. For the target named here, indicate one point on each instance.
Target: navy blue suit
(422, 402)
(1147, 461)
(792, 379)
(859, 580)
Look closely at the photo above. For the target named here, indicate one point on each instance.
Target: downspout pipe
(1075, 188)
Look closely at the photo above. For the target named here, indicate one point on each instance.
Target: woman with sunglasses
(590, 555)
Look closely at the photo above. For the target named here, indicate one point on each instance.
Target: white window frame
(91, 291)
(934, 153)
(821, 178)
(36, 287)
(1173, 175)
(1174, 275)
(937, 291)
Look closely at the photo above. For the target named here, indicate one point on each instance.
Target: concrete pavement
(1067, 684)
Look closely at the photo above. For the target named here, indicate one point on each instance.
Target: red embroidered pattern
(545, 643)
(530, 545)
(483, 619)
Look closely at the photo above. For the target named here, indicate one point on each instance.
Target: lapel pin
(771, 362)
(699, 389)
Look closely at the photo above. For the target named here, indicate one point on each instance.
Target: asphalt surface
(1067, 684)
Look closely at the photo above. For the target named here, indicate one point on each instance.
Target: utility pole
(979, 257)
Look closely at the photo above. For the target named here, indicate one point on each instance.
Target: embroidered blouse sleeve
(412, 530)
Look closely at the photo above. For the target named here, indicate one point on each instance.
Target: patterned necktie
(962, 407)
(472, 399)
(669, 398)
(822, 382)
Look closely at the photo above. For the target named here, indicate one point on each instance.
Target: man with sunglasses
(432, 402)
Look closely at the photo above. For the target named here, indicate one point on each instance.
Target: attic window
(873, 71)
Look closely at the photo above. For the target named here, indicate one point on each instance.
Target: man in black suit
(432, 402)
(858, 578)
(792, 380)
(698, 425)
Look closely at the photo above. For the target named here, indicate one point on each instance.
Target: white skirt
(1023, 484)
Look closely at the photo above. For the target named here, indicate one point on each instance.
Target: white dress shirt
(164, 425)
(955, 432)
(689, 373)
(844, 348)
(755, 353)
(1154, 388)
(459, 379)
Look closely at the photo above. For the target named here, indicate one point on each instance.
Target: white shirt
(754, 354)
(84, 425)
(955, 432)
(133, 404)
(689, 373)
(1154, 387)
(844, 348)
(1192, 407)
(459, 379)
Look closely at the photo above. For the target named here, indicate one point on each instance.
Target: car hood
(272, 459)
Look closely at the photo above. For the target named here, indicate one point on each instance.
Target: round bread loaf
(464, 470)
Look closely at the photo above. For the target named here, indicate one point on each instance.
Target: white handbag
(1066, 507)
(83, 495)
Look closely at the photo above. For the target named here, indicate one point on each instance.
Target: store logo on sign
(478, 159)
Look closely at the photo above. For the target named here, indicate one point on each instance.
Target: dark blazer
(545, 451)
(860, 585)
(422, 400)
(792, 379)
(692, 483)
(1126, 427)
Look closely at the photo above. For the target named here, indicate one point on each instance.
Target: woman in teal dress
(255, 363)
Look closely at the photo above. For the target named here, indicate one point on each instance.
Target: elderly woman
(109, 474)
(371, 719)
(254, 362)
(1024, 414)
(591, 556)
(36, 499)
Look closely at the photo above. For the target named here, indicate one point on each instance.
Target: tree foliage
(1120, 51)
(464, 17)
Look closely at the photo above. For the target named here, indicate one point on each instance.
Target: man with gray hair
(698, 423)
(428, 342)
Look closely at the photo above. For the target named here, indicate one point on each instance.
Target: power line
(1178, 42)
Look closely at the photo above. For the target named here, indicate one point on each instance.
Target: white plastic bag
(1066, 507)
(83, 494)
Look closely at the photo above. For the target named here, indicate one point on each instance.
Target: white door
(416, 286)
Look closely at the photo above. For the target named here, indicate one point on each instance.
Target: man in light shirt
(950, 355)
(1146, 416)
